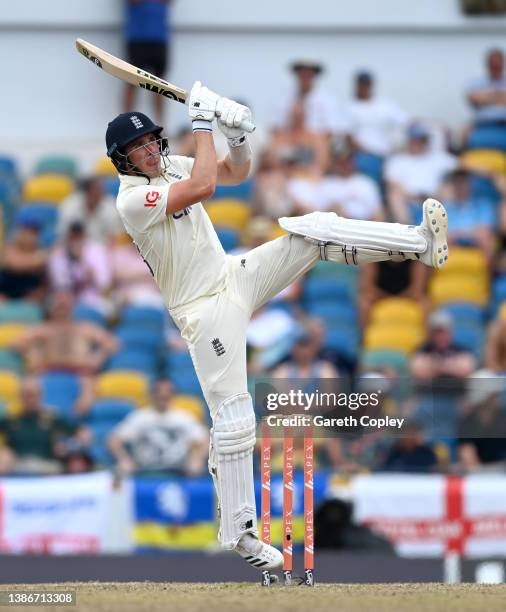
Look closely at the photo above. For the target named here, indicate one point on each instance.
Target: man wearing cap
(322, 114)
(211, 296)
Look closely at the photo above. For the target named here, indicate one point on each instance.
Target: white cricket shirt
(182, 249)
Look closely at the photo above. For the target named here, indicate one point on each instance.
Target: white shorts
(214, 327)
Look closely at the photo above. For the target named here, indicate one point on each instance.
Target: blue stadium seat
(139, 338)
(370, 165)
(45, 215)
(334, 311)
(60, 390)
(488, 138)
(483, 188)
(83, 312)
(465, 312)
(180, 359)
(318, 289)
(111, 185)
(142, 316)
(229, 238)
(144, 361)
(8, 166)
(239, 192)
(98, 449)
(344, 340)
(470, 337)
(110, 411)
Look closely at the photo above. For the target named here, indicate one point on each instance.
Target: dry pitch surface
(246, 597)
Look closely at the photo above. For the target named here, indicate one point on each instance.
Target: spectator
(440, 368)
(410, 453)
(270, 194)
(148, 38)
(35, 440)
(321, 112)
(298, 140)
(60, 344)
(347, 192)
(92, 208)
(132, 280)
(78, 461)
(81, 267)
(495, 345)
(407, 279)
(23, 265)
(375, 122)
(161, 439)
(417, 172)
(487, 95)
(482, 427)
(471, 221)
(302, 186)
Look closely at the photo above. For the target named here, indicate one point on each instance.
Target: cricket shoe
(258, 554)
(434, 228)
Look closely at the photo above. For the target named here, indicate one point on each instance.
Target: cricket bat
(135, 76)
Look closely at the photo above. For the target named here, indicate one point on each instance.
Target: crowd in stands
(93, 372)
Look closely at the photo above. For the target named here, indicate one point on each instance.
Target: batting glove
(202, 103)
(230, 116)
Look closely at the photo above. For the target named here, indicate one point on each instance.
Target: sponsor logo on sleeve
(151, 198)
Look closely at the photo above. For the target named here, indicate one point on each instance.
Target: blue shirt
(462, 216)
(147, 21)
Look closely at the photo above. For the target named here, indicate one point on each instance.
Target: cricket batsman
(211, 295)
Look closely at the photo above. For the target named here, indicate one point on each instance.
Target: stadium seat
(48, 188)
(401, 311)
(463, 312)
(458, 288)
(490, 161)
(230, 213)
(318, 289)
(470, 337)
(488, 138)
(388, 358)
(60, 391)
(334, 312)
(10, 360)
(344, 340)
(124, 384)
(83, 312)
(139, 338)
(370, 165)
(191, 404)
(483, 187)
(20, 311)
(45, 215)
(9, 391)
(466, 261)
(144, 361)
(142, 316)
(229, 238)
(99, 449)
(57, 164)
(105, 167)
(242, 191)
(179, 360)
(404, 339)
(499, 291)
(8, 166)
(186, 382)
(10, 332)
(111, 185)
(109, 411)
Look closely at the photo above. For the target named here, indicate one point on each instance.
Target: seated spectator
(348, 192)
(93, 209)
(303, 186)
(384, 279)
(132, 280)
(61, 344)
(470, 221)
(415, 173)
(23, 265)
(35, 441)
(410, 453)
(495, 345)
(298, 140)
(160, 440)
(270, 195)
(375, 122)
(320, 109)
(81, 267)
(440, 369)
(482, 426)
(487, 95)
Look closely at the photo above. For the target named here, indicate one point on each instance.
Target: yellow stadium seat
(490, 160)
(402, 311)
(48, 188)
(191, 404)
(9, 392)
(405, 339)
(124, 384)
(459, 288)
(465, 262)
(10, 332)
(105, 167)
(277, 231)
(229, 213)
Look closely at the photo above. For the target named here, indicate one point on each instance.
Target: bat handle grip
(248, 126)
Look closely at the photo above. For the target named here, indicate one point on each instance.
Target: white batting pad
(231, 465)
(361, 241)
